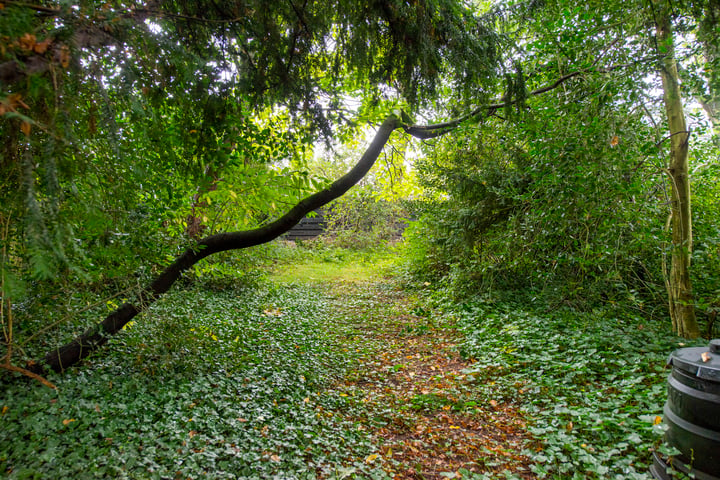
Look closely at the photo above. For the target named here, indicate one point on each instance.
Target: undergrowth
(224, 380)
(318, 261)
(593, 385)
(225, 383)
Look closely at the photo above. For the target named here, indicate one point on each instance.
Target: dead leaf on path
(435, 439)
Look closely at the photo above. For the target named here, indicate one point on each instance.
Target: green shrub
(360, 221)
(570, 216)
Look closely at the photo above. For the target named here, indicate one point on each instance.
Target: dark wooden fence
(311, 227)
(308, 228)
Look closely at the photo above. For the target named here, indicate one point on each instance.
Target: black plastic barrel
(692, 413)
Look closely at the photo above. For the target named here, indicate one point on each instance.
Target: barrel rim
(659, 469)
(672, 417)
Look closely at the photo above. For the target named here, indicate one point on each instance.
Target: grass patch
(315, 263)
(321, 271)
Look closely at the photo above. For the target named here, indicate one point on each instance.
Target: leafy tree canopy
(136, 107)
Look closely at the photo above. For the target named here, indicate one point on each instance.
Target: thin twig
(7, 331)
(28, 373)
(37, 8)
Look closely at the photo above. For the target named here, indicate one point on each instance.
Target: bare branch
(28, 373)
(425, 132)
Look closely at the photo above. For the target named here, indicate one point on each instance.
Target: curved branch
(425, 132)
(67, 355)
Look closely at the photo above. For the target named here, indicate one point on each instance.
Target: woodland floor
(415, 398)
(328, 369)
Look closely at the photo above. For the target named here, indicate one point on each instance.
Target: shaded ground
(411, 393)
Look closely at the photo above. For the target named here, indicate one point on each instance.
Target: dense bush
(577, 216)
(706, 251)
(360, 221)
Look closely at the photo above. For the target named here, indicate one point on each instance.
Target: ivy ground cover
(211, 384)
(592, 385)
(325, 377)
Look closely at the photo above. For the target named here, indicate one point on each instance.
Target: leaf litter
(410, 390)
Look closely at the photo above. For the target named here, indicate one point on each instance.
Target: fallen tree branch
(71, 353)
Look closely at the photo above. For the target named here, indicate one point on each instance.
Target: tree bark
(71, 353)
(680, 297)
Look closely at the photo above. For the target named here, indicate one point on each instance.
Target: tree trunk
(67, 355)
(682, 308)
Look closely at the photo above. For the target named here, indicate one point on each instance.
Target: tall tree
(707, 15)
(682, 306)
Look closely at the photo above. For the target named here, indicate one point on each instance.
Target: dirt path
(412, 393)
